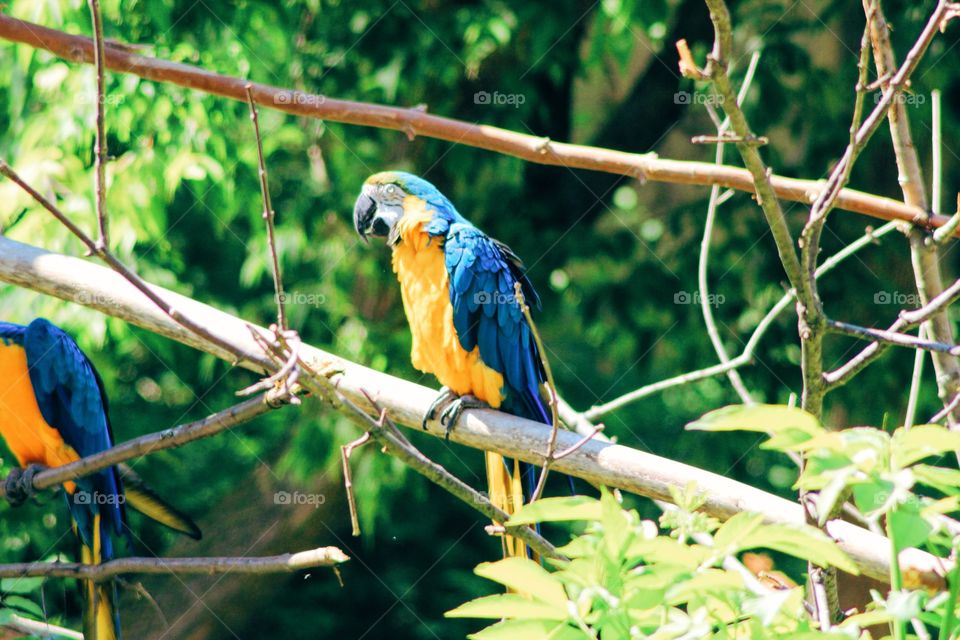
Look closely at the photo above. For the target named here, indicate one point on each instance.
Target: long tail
(505, 488)
(101, 621)
(511, 482)
(145, 500)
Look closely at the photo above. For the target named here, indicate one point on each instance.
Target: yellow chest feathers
(425, 289)
(28, 436)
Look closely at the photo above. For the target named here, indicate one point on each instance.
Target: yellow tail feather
(98, 606)
(506, 493)
(142, 498)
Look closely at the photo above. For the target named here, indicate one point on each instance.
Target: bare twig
(915, 381)
(288, 562)
(551, 387)
(745, 358)
(529, 147)
(906, 320)
(924, 253)
(345, 452)
(268, 213)
(159, 441)
(119, 267)
(943, 413)
(891, 337)
(388, 435)
(100, 150)
(706, 307)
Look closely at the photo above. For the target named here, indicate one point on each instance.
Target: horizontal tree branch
(153, 442)
(416, 121)
(599, 462)
(287, 562)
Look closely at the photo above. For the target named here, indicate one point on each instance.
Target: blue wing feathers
(71, 399)
(482, 274)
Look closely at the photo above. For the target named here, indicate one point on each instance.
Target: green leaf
(525, 576)
(616, 525)
(532, 629)
(557, 510)
(733, 532)
(507, 605)
(945, 480)
(663, 550)
(24, 604)
(801, 541)
(908, 527)
(873, 497)
(786, 425)
(923, 441)
(20, 585)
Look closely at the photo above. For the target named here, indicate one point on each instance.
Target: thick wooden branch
(85, 283)
(413, 121)
(287, 562)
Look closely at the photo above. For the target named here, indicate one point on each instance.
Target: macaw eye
(391, 190)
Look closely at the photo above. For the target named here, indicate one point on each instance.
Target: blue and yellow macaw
(53, 411)
(457, 286)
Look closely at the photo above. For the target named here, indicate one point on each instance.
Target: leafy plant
(632, 578)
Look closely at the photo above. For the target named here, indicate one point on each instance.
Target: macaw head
(383, 200)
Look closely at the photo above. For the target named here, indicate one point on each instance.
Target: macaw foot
(18, 487)
(449, 406)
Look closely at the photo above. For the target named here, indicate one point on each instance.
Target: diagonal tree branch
(159, 441)
(417, 122)
(596, 461)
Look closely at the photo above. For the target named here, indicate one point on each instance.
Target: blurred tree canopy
(609, 256)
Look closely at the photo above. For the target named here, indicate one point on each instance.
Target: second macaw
(53, 411)
(457, 286)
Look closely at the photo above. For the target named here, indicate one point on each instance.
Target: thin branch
(345, 452)
(745, 358)
(915, 381)
(285, 563)
(905, 321)
(153, 442)
(385, 431)
(891, 337)
(924, 254)
(706, 307)
(118, 266)
(596, 461)
(100, 150)
(551, 387)
(420, 123)
(268, 213)
(943, 413)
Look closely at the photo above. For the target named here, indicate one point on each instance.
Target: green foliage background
(607, 254)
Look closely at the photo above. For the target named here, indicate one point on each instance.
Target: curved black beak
(363, 212)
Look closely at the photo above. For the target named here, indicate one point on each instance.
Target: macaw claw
(18, 487)
(449, 406)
